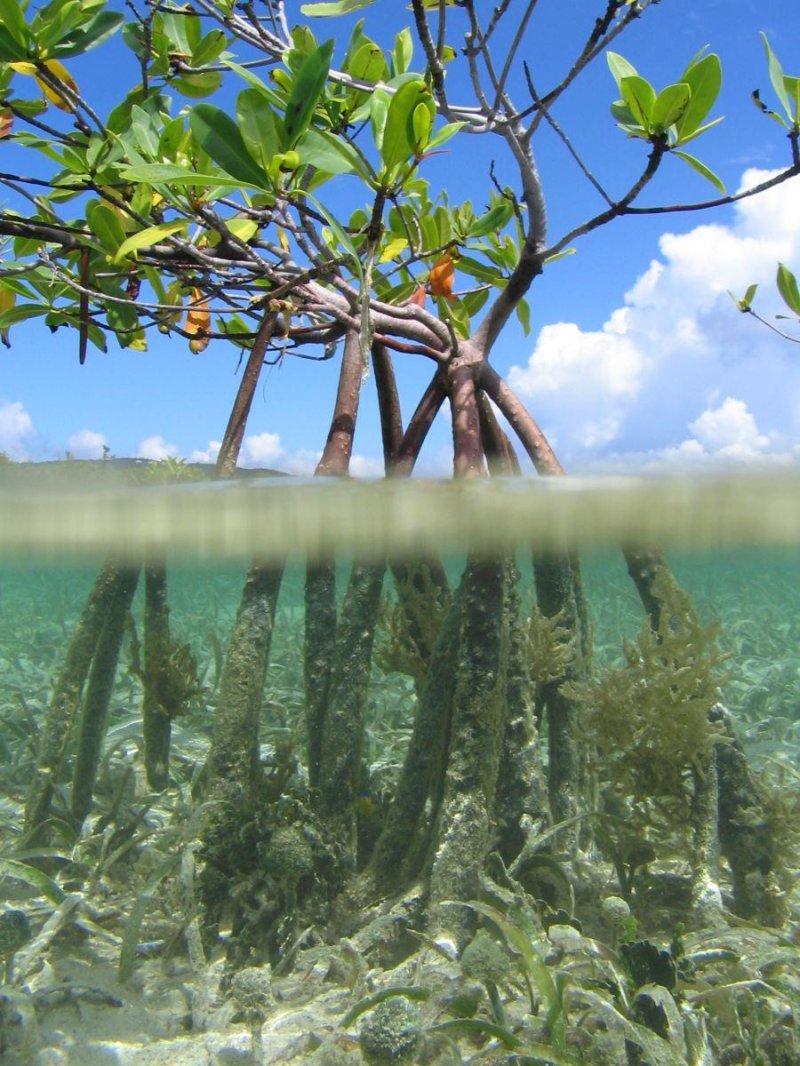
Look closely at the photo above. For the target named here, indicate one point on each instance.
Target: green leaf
(443, 135)
(701, 169)
(620, 68)
(403, 51)
(704, 79)
(105, 223)
(10, 50)
(560, 255)
(133, 925)
(398, 135)
(328, 153)
(793, 91)
(640, 96)
(146, 238)
(260, 127)
(171, 174)
(218, 135)
(338, 7)
(787, 287)
(21, 871)
(626, 121)
(20, 313)
(341, 236)
(254, 81)
(746, 301)
(307, 88)
(776, 77)
(13, 20)
(82, 39)
(494, 219)
(669, 106)
(368, 63)
(421, 125)
(378, 111)
(524, 316)
(210, 48)
(479, 1026)
(197, 86)
(393, 249)
(700, 130)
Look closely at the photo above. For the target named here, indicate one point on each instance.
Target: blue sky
(636, 357)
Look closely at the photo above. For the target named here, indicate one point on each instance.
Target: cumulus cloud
(721, 435)
(16, 430)
(639, 377)
(87, 444)
(262, 449)
(156, 448)
(266, 450)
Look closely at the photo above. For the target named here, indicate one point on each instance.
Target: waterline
(272, 518)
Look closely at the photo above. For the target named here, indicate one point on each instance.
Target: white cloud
(722, 435)
(87, 444)
(729, 430)
(157, 448)
(638, 378)
(364, 466)
(209, 455)
(301, 463)
(16, 428)
(262, 449)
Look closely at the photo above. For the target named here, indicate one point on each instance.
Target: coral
(484, 960)
(251, 992)
(392, 1034)
(288, 855)
(15, 931)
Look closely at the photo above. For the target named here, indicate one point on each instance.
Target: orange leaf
(6, 121)
(419, 296)
(198, 322)
(441, 279)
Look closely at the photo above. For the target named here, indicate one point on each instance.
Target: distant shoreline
(111, 471)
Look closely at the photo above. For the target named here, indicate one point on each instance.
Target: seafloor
(112, 969)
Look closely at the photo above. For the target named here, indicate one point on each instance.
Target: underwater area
(417, 807)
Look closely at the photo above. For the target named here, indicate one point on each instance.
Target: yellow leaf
(198, 322)
(59, 71)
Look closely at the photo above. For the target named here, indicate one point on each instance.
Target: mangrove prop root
(65, 699)
(341, 769)
(156, 724)
(94, 717)
(557, 593)
(475, 741)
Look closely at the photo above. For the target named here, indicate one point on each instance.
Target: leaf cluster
(674, 116)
